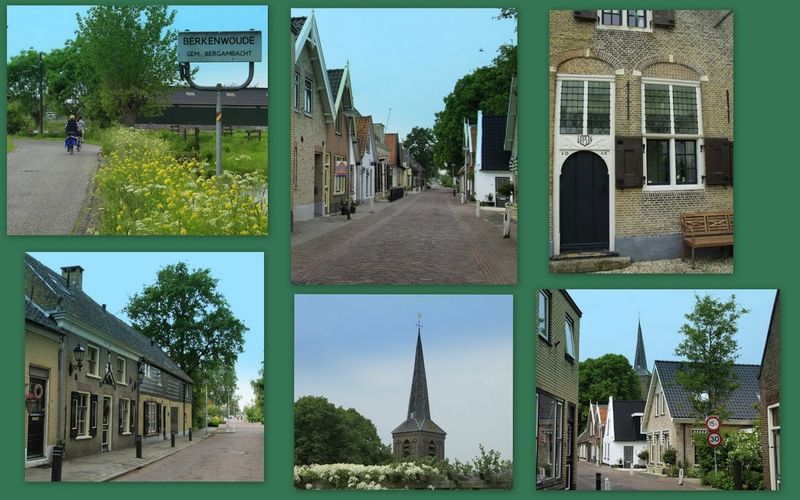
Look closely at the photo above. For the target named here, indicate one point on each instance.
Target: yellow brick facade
(42, 351)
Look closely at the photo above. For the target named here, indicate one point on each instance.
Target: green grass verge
(9, 144)
(239, 154)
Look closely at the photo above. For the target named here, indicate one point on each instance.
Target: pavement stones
(425, 238)
(108, 465)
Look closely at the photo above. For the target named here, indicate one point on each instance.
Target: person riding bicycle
(81, 128)
(72, 126)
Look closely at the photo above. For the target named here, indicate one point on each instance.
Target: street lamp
(78, 354)
(137, 436)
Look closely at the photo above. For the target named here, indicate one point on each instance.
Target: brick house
(105, 405)
(641, 123)
(366, 159)
(312, 113)
(769, 380)
(466, 174)
(395, 162)
(590, 442)
(382, 171)
(557, 341)
(668, 418)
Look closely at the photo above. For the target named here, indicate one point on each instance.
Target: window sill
(92, 375)
(81, 438)
(673, 187)
(546, 340)
(309, 115)
(127, 433)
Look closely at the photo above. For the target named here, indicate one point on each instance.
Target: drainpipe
(61, 397)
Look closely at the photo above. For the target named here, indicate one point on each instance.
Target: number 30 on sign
(714, 439)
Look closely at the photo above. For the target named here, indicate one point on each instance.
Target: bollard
(598, 481)
(477, 209)
(57, 458)
(506, 225)
(190, 434)
(608, 484)
(372, 204)
(138, 441)
(172, 440)
(680, 476)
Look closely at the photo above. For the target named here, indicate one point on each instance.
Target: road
(638, 481)
(225, 456)
(47, 186)
(423, 238)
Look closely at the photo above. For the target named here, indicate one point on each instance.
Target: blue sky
(56, 24)
(111, 278)
(358, 351)
(610, 319)
(408, 59)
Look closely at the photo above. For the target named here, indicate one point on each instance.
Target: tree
(327, 434)
(710, 346)
(131, 52)
(185, 314)
(599, 378)
(26, 81)
(484, 89)
(65, 80)
(420, 143)
(257, 412)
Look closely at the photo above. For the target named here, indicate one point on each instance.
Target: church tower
(418, 437)
(640, 363)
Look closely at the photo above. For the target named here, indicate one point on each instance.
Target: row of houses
(92, 382)
(339, 155)
(489, 172)
(618, 431)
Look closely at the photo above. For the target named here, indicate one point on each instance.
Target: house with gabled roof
(340, 156)
(395, 164)
(591, 440)
(466, 174)
(313, 111)
(669, 421)
(113, 382)
(622, 436)
(769, 380)
(381, 153)
(492, 160)
(366, 159)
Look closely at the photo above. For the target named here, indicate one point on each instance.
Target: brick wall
(770, 385)
(42, 352)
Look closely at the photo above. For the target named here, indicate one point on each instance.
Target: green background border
(766, 209)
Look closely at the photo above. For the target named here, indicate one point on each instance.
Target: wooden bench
(706, 229)
(253, 133)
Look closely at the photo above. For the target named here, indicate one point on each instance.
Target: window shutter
(664, 18)
(719, 162)
(585, 15)
(119, 416)
(628, 160)
(145, 419)
(93, 415)
(133, 416)
(73, 426)
(158, 417)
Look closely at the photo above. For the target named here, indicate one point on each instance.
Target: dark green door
(584, 203)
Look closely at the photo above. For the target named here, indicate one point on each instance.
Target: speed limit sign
(712, 423)
(714, 439)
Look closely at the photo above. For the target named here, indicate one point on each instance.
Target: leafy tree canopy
(710, 348)
(327, 434)
(130, 52)
(420, 143)
(26, 81)
(599, 378)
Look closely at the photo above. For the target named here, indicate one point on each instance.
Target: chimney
(74, 277)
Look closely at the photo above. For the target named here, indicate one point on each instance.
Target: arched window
(406, 448)
(431, 449)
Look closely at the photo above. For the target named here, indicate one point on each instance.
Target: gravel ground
(677, 266)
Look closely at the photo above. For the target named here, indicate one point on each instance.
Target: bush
(721, 480)
(670, 456)
(644, 456)
(18, 120)
(671, 471)
(506, 189)
(144, 190)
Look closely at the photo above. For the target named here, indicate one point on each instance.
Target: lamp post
(137, 436)
(77, 354)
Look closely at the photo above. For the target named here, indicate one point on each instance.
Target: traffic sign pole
(218, 121)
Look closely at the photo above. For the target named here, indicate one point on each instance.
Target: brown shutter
(158, 417)
(585, 15)
(664, 18)
(119, 416)
(93, 415)
(628, 162)
(145, 419)
(719, 162)
(73, 418)
(134, 417)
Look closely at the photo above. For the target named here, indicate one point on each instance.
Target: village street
(47, 186)
(424, 238)
(225, 456)
(623, 479)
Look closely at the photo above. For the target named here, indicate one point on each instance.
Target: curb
(154, 460)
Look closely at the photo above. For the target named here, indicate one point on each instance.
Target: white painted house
(492, 160)
(623, 439)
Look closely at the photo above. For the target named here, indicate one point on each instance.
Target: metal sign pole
(218, 118)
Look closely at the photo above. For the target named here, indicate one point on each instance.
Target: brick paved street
(625, 480)
(423, 238)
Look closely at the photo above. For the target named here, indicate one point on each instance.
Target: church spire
(640, 361)
(418, 406)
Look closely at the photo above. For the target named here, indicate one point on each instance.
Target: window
(549, 417)
(338, 122)
(406, 448)
(569, 334)
(631, 20)
(585, 107)
(152, 373)
(92, 361)
(152, 417)
(125, 416)
(774, 441)
(431, 449)
(543, 315)
(298, 96)
(340, 180)
(663, 404)
(672, 130)
(309, 97)
(658, 403)
(122, 374)
(80, 415)
(294, 170)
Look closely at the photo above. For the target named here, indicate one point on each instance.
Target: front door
(326, 181)
(318, 175)
(628, 456)
(37, 418)
(106, 430)
(501, 199)
(584, 203)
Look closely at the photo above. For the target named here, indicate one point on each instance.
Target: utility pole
(206, 408)
(41, 94)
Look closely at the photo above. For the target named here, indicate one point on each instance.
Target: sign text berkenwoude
(219, 46)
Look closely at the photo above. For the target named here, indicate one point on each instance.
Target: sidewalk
(308, 230)
(106, 466)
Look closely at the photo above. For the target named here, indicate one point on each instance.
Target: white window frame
(557, 438)
(545, 298)
(569, 337)
(586, 79)
(339, 181)
(672, 137)
(308, 96)
(124, 379)
(297, 93)
(86, 409)
(126, 415)
(774, 472)
(89, 373)
(153, 372)
(648, 21)
(152, 418)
